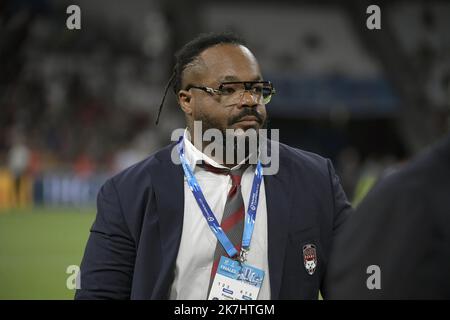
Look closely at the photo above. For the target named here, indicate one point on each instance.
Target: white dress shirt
(198, 243)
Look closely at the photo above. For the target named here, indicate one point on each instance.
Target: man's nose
(248, 100)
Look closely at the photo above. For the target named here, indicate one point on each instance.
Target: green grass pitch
(37, 246)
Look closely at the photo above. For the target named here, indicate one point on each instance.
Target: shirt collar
(194, 156)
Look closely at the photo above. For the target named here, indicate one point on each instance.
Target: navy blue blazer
(135, 238)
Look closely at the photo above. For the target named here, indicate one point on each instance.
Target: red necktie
(233, 215)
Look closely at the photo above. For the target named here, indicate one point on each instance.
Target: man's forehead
(229, 62)
(232, 78)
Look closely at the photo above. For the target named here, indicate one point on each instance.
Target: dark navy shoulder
(298, 158)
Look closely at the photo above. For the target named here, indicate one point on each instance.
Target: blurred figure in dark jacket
(397, 243)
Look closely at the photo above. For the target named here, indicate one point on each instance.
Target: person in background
(397, 243)
(18, 161)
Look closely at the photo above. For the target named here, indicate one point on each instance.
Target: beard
(242, 145)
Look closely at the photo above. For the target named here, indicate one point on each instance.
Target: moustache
(246, 112)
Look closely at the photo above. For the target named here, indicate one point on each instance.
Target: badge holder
(235, 280)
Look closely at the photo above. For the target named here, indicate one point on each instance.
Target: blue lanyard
(249, 224)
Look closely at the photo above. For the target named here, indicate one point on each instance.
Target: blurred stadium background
(77, 106)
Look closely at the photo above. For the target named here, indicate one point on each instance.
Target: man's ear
(184, 99)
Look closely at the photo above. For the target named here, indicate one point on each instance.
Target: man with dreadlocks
(204, 228)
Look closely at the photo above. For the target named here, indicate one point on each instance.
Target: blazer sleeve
(342, 207)
(107, 267)
(342, 211)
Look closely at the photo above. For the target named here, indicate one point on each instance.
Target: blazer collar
(168, 183)
(278, 202)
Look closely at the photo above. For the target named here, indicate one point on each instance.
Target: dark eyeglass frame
(247, 85)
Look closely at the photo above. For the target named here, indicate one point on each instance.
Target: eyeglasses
(232, 92)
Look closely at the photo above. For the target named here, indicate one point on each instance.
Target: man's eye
(266, 91)
(228, 90)
(257, 89)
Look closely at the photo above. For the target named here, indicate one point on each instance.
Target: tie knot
(235, 174)
(213, 169)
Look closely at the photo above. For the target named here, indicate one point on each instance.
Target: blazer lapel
(168, 183)
(278, 211)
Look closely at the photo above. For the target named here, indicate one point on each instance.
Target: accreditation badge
(236, 281)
